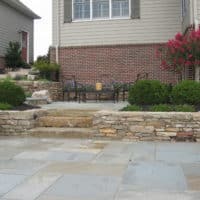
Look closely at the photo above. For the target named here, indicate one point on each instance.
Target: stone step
(59, 121)
(62, 132)
(70, 113)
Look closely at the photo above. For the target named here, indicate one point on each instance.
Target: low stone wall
(147, 126)
(54, 88)
(18, 122)
(138, 126)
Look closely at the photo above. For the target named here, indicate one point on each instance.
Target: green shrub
(11, 93)
(13, 56)
(184, 108)
(132, 108)
(161, 108)
(28, 94)
(186, 92)
(5, 106)
(46, 69)
(148, 92)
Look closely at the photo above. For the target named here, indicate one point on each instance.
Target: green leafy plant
(184, 108)
(148, 92)
(44, 58)
(5, 106)
(11, 93)
(161, 108)
(46, 69)
(186, 92)
(132, 108)
(28, 94)
(13, 56)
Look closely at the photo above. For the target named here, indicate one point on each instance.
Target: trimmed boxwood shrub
(186, 92)
(5, 106)
(132, 108)
(148, 92)
(11, 93)
(161, 108)
(184, 108)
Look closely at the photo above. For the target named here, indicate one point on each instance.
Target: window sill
(101, 19)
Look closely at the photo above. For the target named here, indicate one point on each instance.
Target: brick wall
(2, 62)
(105, 63)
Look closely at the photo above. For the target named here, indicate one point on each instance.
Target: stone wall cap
(24, 111)
(146, 113)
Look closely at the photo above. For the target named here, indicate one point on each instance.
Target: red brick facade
(2, 62)
(107, 63)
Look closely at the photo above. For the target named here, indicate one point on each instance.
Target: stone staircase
(65, 123)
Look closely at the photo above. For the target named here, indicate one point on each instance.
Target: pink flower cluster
(180, 52)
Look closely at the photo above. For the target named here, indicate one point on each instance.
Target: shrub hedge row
(152, 92)
(161, 108)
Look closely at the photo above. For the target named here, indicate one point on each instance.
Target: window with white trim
(184, 8)
(81, 9)
(100, 9)
(120, 8)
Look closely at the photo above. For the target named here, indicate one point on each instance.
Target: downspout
(196, 26)
(195, 15)
(58, 33)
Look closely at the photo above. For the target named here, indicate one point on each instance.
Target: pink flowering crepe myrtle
(180, 52)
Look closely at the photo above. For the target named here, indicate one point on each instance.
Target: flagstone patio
(63, 169)
(90, 105)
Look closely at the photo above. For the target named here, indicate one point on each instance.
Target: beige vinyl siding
(198, 9)
(160, 20)
(11, 22)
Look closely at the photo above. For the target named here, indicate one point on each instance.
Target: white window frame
(99, 19)
(184, 8)
(80, 19)
(122, 17)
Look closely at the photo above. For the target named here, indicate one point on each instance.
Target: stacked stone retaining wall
(138, 126)
(54, 88)
(18, 122)
(147, 126)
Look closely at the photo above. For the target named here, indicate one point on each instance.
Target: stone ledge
(148, 126)
(138, 126)
(18, 122)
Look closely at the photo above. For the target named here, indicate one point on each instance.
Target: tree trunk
(197, 73)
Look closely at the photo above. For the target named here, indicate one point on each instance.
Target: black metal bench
(84, 91)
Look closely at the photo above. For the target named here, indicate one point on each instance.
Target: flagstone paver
(76, 169)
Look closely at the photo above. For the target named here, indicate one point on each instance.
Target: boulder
(34, 71)
(32, 77)
(42, 94)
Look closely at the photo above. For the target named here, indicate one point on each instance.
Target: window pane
(100, 8)
(184, 8)
(120, 8)
(81, 9)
